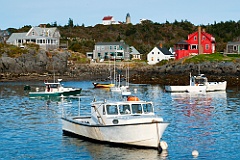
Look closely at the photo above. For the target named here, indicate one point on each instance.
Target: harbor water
(31, 128)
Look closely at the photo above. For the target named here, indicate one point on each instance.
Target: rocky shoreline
(137, 76)
(44, 65)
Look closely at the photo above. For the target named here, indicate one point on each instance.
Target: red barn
(191, 46)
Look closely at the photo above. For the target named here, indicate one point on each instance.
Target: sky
(18, 13)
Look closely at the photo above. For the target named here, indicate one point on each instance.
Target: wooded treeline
(142, 36)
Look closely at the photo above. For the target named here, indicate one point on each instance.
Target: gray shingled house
(111, 50)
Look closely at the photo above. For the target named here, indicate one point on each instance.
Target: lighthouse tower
(128, 18)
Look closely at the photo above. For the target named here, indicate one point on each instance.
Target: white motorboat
(55, 89)
(198, 84)
(129, 122)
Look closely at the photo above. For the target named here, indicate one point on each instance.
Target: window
(99, 54)
(136, 108)
(235, 48)
(124, 109)
(152, 59)
(104, 111)
(33, 33)
(207, 46)
(147, 108)
(203, 37)
(102, 48)
(112, 53)
(152, 52)
(158, 52)
(110, 47)
(112, 109)
(98, 48)
(195, 38)
(194, 46)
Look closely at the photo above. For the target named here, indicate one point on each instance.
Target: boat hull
(64, 93)
(98, 85)
(127, 134)
(216, 86)
(185, 88)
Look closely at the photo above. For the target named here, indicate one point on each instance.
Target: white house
(46, 38)
(108, 20)
(135, 55)
(158, 54)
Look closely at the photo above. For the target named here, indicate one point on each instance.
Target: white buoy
(163, 145)
(195, 153)
(37, 89)
(135, 90)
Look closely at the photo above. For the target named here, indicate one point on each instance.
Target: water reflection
(32, 128)
(197, 104)
(107, 151)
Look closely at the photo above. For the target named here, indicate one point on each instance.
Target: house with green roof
(46, 38)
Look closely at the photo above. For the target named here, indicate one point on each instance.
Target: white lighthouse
(128, 18)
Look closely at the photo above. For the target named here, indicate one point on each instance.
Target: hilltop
(144, 37)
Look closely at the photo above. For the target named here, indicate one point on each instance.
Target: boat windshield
(124, 109)
(112, 109)
(136, 108)
(147, 108)
(54, 85)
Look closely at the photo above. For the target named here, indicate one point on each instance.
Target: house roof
(39, 31)
(4, 33)
(165, 51)
(234, 43)
(109, 43)
(15, 36)
(182, 42)
(133, 51)
(107, 18)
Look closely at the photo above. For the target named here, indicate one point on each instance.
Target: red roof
(107, 18)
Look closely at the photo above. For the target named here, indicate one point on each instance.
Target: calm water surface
(31, 128)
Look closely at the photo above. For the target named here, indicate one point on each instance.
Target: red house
(198, 42)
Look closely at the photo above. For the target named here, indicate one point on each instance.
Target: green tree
(70, 22)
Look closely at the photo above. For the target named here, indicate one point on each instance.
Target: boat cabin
(52, 87)
(119, 112)
(200, 80)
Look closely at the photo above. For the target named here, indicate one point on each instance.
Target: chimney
(199, 41)
(160, 45)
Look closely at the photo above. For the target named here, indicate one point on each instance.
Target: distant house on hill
(108, 20)
(4, 34)
(199, 42)
(46, 38)
(158, 54)
(233, 48)
(111, 50)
